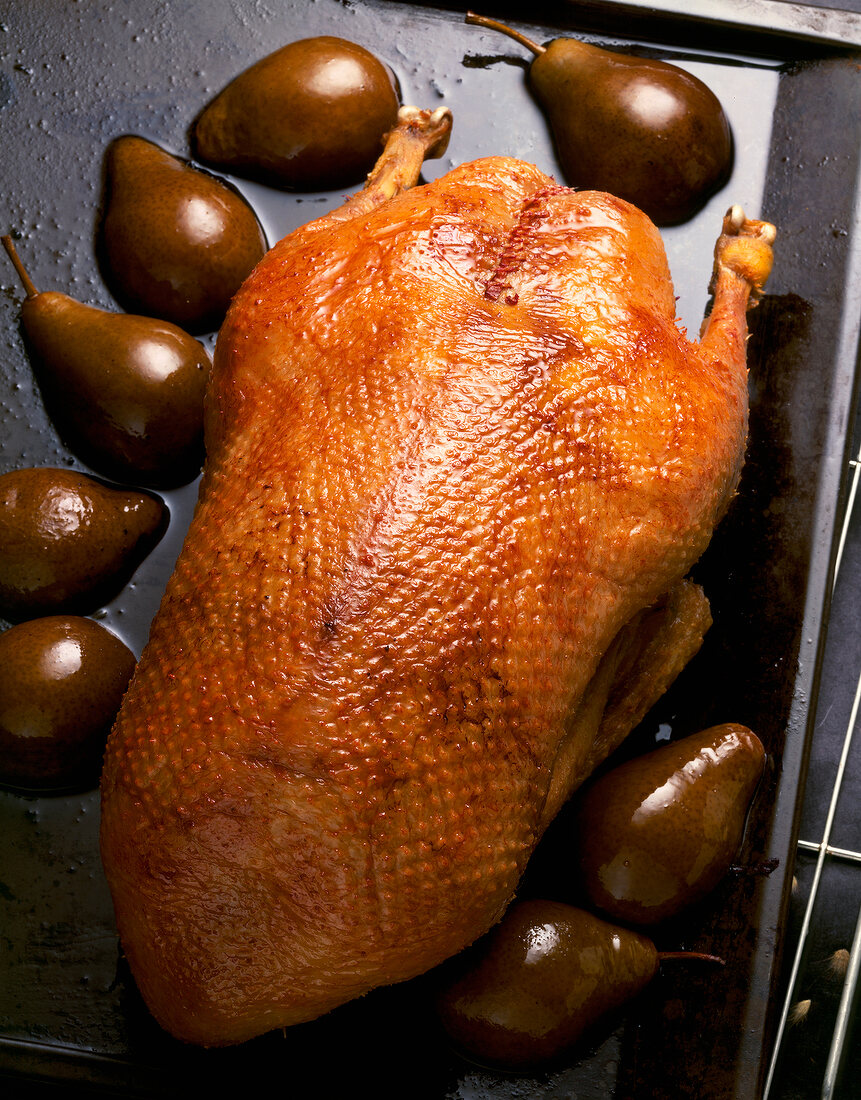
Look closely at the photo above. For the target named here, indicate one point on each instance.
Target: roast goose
(460, 460)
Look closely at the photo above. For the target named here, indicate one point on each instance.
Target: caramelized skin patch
(454, 445)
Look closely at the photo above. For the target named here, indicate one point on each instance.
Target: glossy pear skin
(69, 542)
(545, 973)
(311, 115)
(644, 130)
(658, 833)
(177, 241)
(126, 392)
(61, 682)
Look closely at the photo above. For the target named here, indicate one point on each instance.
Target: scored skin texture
(454, 445)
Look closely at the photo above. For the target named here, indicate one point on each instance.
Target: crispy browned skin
(456, 443)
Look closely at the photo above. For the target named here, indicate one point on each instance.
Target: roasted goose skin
(457, 446)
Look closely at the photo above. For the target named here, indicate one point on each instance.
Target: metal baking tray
(72, 77)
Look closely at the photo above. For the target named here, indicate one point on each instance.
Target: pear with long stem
(543, 977)
(125, 392)
(644, 130)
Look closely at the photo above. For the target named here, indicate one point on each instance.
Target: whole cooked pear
(177, 242)
(126, 392)
(69, 542)
(544, 975)
(310, 115)
(657, 833)
(644, 130)
(61, 682)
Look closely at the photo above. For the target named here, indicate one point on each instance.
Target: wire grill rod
(824, 850)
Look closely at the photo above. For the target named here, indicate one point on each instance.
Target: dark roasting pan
(75, 75)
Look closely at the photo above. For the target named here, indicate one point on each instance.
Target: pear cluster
(125, 389)
(652, 838)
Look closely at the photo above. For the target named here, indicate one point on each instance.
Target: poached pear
(61, 682)
(657, 833)
(69, 542)
(126, 392)
(642, 129)
(311, 115)
(177, 242)
(542, 977)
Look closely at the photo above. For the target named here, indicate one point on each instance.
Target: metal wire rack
(827, 1068)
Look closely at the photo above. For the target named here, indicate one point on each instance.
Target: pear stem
(699, 955)
(495, 25)
(27, 282)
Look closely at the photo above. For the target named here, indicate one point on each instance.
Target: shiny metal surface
(826, 24)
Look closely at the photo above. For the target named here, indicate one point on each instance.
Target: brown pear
(69, 542)
(644, 130)
(126, 392)
(177, 242)
(547, 973)
(61, 682)
(311, 115)
(658, 833)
